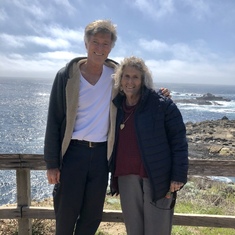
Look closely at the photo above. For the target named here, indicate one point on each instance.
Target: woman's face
(131, 81)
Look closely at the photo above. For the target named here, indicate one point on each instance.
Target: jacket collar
(80, 60)
(118, 100)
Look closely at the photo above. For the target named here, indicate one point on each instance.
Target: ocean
(23, 114)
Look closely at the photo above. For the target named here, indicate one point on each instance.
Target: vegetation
(199, 196)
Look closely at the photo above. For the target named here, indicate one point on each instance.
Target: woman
(150, 158)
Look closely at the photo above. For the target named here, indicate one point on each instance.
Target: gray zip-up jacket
(62, 112)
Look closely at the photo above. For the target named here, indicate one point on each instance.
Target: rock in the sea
(224, 118)
(206, 99)
(211, 97)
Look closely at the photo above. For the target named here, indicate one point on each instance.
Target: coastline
(211, 139)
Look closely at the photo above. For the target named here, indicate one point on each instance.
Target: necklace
(122, 125)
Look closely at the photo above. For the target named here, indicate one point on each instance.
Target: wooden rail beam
(201, 220)
(10, 212)
(211, 167)
(38, 212)
(204, 220)
(196, 166)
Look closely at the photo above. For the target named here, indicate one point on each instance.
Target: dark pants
(79, 198)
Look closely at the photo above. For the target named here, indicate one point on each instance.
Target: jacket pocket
(166, 203)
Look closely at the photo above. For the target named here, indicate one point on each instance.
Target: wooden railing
(24, 212)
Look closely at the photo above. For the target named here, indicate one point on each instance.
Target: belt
(88, 143)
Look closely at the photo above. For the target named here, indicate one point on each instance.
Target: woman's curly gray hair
(137, 63)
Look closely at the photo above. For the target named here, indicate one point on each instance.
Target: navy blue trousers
(80, 195)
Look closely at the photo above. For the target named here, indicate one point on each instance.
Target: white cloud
(186, 72)
(188, 62)
(19, 41)
(37, 65)
(66, 4)
(34, 8)
(22, 67)
(154, 45)
(65, 33)
(52, 43)
(58, 55)
(154, 8)
(197, 51)
(11, 41)
(3, 15)
(42, 36)
(52, 37)
(200, 8)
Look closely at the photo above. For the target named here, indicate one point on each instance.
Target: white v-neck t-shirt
(92, 121)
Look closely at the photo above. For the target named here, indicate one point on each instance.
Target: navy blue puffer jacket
(161, 135)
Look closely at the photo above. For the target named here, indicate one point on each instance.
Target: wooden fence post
(23, 199)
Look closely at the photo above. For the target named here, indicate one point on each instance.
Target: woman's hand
(166, 92)
(176, 186)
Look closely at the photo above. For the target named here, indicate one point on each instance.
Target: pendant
(122, 126)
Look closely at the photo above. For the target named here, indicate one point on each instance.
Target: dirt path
(113, 228)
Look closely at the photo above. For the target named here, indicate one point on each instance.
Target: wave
(223, 179)
(230, 110)
(43, 94)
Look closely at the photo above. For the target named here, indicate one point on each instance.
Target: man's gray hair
(100, 26)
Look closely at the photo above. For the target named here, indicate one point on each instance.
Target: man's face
(99, 47)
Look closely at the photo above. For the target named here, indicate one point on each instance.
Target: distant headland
(206, 99)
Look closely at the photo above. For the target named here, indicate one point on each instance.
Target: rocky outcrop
(212, 139)
(206, 99)
(210, 97)
(195, 101)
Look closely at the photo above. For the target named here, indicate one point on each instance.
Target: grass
(199, 196)
(203, 196)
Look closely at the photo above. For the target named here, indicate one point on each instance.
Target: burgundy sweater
(128, 158)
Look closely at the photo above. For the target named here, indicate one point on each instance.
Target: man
(80, 121)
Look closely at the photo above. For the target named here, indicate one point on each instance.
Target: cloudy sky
(187, 41)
